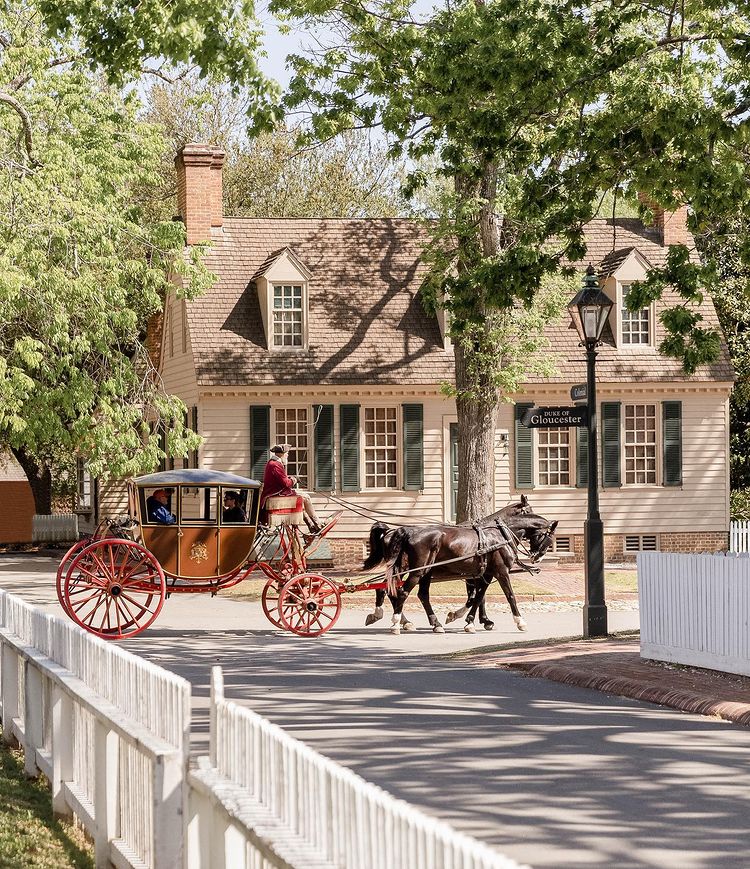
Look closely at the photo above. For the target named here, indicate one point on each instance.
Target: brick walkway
(615, 667)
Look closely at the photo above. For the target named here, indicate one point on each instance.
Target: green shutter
(323, 438)
(193, 459)
(349, 447)
(413, 420)
(672, 436)
(582, 457)
(260, 439)
(524, 450)
(611, 444)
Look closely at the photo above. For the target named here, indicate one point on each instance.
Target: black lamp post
(589, 311)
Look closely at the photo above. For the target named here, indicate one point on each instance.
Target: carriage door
(453, 468)
(199, 531)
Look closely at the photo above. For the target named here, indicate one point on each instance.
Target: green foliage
(81, 271)
(532, 109)
(739, 505)
(269, 176)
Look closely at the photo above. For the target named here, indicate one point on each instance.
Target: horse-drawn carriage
(114, 583)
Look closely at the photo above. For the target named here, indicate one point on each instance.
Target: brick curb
(685, 701)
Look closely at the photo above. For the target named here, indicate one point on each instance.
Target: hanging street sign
(542, 417)
(579, 392)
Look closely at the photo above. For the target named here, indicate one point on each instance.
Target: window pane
(291, 428)
(640, 444)
(553, 451)
(380, 426)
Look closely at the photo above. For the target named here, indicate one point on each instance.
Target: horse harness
(484, 548)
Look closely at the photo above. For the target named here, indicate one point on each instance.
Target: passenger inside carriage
(233, 510)
(157, 509)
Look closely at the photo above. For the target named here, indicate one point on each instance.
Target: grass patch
(29, 836)
(620, 580)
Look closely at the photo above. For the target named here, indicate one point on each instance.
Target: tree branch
(25, 121)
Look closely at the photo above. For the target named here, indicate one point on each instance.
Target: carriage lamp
(589, 311)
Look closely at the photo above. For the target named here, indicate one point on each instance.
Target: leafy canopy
(81, 272)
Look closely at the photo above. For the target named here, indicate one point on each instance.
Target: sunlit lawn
(29, 837)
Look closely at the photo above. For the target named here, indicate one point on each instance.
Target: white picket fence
(739, 537)
(110, 731)
(263, 798)
(695, 609)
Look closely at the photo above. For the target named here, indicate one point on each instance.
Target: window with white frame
(84, 487)
(291, 428)
(381, 450)
(553, 455)
(288, 329)
(635, 326)
(640, 444)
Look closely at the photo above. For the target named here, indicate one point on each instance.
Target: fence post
(169, 777)
(9, 687)
(62, 751)
(106, 792)
(217, 694)
(33, 725)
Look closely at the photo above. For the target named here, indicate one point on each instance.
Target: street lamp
(589, 311)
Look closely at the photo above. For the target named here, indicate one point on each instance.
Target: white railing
(109, 730)
(739, 537)
(57, 528)
(695, 610)
(263, 798)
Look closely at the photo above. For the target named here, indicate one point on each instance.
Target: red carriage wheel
(270, 600)
(309, 604)
(63, 569)
(114, 589)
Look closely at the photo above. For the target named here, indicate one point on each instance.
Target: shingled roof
(366, 321)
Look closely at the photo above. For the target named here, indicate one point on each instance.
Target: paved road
(550, 775)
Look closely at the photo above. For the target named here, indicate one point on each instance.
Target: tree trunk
(477, 398)
(40, 480)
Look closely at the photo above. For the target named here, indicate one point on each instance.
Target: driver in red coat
(276, 482)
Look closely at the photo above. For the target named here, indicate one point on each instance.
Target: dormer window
(282, 282)
(635, 325)
(288, 315)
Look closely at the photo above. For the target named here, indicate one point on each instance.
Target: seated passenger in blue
(157, 510)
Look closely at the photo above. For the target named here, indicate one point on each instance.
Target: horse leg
(461, 611)
(377, 614)
(486, 621)
(481, 587)
(424, 596)
(504, 579)
(398, 600)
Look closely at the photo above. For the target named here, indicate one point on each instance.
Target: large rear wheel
(270, 601)
(309, 604)
(114, 589)
(62, 569)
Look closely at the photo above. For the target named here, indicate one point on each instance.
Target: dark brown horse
(485, 551)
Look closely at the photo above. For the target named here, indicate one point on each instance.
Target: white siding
(700, 504)
(226, 431)
(178, 370)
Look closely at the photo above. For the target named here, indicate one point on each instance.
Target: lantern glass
(589, 310)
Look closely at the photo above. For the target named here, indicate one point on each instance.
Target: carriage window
(380, 447)
(291, 428)
(199, 505)
(158, 505)
(553, 445)
(640, 444)
(236, 506)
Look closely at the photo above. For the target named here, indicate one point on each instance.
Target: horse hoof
(488, 626)
(451, 617)
(470, 629)
(371, 619)
(396, 630)
(408, 627)
(521, 625)
(438, 629)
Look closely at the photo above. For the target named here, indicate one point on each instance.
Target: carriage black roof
(195, 477)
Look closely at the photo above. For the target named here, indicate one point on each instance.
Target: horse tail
(393, 553)
(377, 546)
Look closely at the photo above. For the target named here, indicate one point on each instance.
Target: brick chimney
(671, 225)
(199, 189)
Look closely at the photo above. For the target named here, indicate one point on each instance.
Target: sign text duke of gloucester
(541, 417)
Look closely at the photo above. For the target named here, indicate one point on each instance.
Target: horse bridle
(543, 545)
